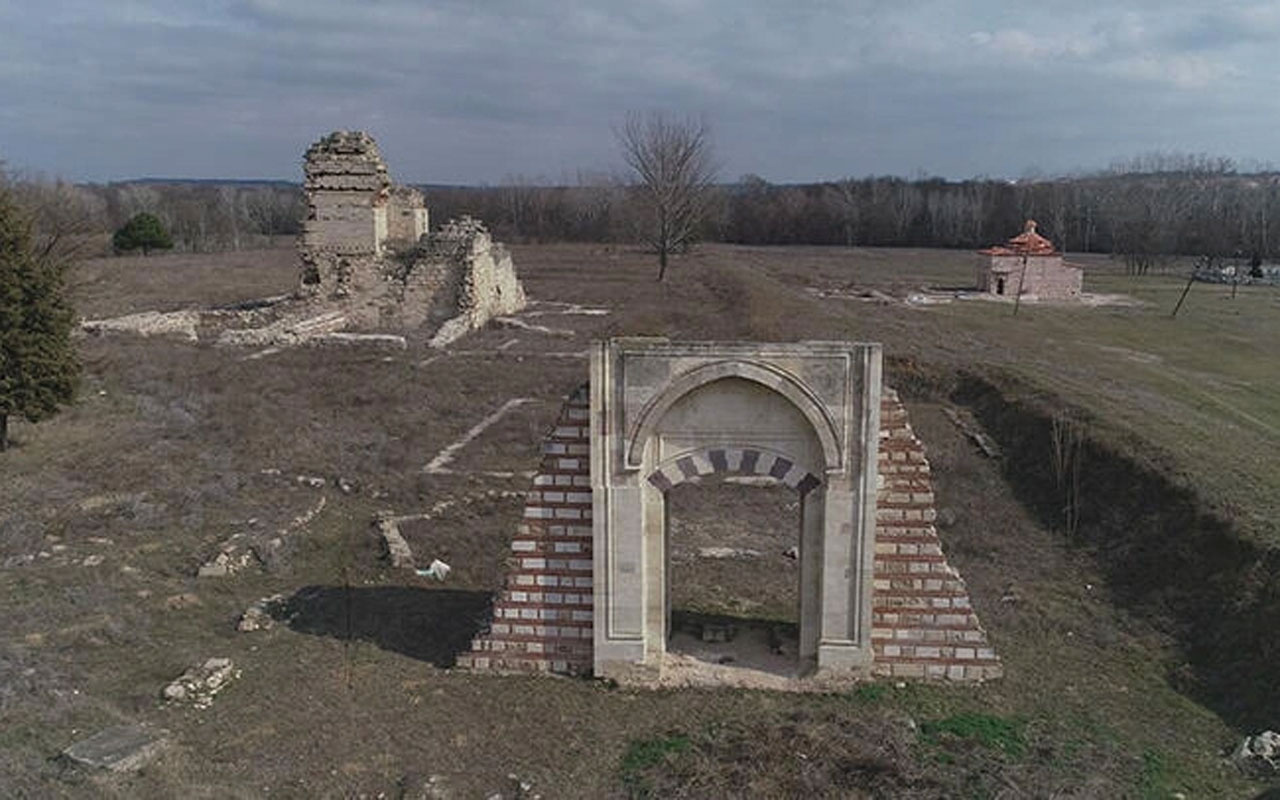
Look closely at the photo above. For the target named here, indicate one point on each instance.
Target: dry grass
(163, 456)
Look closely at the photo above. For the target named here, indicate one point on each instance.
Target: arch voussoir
(751, 461)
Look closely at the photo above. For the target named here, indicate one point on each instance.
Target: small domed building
(1028, 265)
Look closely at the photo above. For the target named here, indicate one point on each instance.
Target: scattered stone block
(233, 558)
(122, 748)
(198, 686)
(1259, 755)
(259, 616)
(394, 547)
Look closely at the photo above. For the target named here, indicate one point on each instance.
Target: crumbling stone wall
(406, 215)
(366, 250)
(487, 285)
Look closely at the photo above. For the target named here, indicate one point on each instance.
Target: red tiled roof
(1027, 243)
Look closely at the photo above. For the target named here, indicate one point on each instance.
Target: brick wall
(542, 619)
(923, 624)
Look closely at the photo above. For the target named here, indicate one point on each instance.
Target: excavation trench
(1167, 557)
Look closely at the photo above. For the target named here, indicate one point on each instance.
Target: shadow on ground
(433, 625)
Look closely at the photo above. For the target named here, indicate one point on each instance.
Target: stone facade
(367, 254)
(406, 215)
(1028, 264)
(877, 594)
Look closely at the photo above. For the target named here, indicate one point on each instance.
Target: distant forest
(1144, 210)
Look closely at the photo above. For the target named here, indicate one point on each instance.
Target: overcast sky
(475, 91)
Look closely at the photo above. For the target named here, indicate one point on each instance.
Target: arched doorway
(755, 474)
(805, 414)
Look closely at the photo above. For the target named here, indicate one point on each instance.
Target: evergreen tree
(142, 232)
(38, 365)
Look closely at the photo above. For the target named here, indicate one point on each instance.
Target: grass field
(1107, 694)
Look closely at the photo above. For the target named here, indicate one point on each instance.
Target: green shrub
(143, 232)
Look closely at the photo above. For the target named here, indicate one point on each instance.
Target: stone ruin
(368, 263)
(587, 589)
(366, 249)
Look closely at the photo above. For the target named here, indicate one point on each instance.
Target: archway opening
(733, 574)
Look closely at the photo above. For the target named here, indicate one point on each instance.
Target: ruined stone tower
(366, 252)
(347, 189)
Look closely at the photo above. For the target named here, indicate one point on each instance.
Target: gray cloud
(458, 91)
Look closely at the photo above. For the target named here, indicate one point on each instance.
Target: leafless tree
(848, 205)
(64, 217)
(673, 160)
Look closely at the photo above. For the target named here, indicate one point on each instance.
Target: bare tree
(672, 158)
(65, 218)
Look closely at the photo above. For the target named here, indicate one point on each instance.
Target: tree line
(199, 217)
(1144, 210)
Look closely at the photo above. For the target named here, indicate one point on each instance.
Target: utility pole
(1184, 294)
(1017, 298)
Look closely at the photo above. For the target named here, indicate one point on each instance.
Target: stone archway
(584, 592)
(758, 462)
(666, 411)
